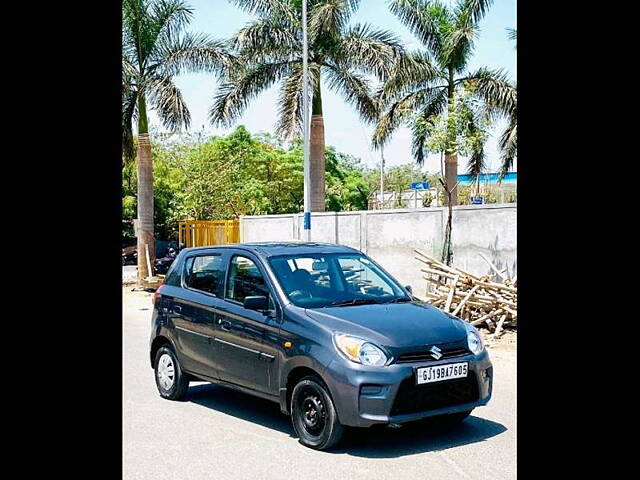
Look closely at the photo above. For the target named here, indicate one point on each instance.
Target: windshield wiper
(400, 300)
(354, 301)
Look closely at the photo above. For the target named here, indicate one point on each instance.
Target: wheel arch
(293, 377)
(158, 342)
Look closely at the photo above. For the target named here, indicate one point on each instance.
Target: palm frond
(476, 9)
(146, 22)
(415, 15)
(134, 26)
(168, 103)
(129, 72)
(410, 72)
(280, 8)
(290, 104)
(192, 52)
(458, 42)
(266, 38)
(508, 144)
(170, 16)
(234, 95)
(355, 89)
(419, 139)
(432, 101)
(477, 161)
(500, 99)
(493, 87)
(330, 17)
(420, 133)
(129, 99)
(371, 50)
(512, 33)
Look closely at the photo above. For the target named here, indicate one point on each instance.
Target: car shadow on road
(240, 405)
(417, 437)
(376, 442)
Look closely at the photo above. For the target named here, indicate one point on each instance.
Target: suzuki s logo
(435, 352)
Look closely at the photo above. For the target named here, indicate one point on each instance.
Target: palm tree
(500, 98)
(155, 48)
(424, 87)
(270, 49)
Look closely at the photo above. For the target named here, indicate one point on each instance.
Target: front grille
(412, 398)
(421, 356)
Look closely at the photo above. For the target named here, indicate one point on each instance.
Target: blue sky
(343, 128)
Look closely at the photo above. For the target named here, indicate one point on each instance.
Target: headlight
(474, 339)
(360, 351)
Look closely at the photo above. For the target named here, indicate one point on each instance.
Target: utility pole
(381, 178)
(305, 125)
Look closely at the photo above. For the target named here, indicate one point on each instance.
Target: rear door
(194, 310)
(245, 349)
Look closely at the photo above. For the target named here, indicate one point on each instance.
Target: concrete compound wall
(389, 236)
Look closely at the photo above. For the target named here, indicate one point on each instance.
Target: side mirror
(258, 302)
(409, 289)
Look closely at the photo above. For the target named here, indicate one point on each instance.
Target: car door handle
(224, 324)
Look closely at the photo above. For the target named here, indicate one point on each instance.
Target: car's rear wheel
(172, 383)
(314, 416)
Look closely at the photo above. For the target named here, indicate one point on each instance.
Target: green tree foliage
(347, 188)
(168, 183)
(238, 174)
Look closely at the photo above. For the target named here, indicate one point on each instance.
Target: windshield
(334, 279)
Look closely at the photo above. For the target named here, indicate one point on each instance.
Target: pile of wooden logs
(481, 301)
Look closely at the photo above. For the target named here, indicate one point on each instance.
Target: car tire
(314, 415)
(171, 381)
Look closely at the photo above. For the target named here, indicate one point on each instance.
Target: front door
(244, 356)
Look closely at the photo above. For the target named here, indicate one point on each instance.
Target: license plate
(439, 373)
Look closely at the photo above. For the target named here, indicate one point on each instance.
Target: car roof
(270, 249)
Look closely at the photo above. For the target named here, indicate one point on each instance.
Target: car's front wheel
(171, 381)
(314, 416)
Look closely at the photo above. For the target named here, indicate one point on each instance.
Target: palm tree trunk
(451, 156)
(451, 176)
(316, 151)
(145, 194)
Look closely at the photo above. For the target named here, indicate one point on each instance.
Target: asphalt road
(218, 433)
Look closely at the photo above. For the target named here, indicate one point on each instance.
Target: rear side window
(205, 273)
(173, 275)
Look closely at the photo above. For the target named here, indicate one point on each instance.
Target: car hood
(394, 325)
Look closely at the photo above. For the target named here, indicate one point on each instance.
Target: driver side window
(245, 280)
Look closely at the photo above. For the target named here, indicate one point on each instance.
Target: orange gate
(200, 233)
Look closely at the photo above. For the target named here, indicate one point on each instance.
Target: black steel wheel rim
(312, 411)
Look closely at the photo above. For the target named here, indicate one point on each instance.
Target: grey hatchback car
(322, 330)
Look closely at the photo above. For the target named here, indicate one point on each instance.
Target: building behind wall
(487, 187)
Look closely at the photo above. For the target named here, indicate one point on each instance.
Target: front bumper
(365, 396)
